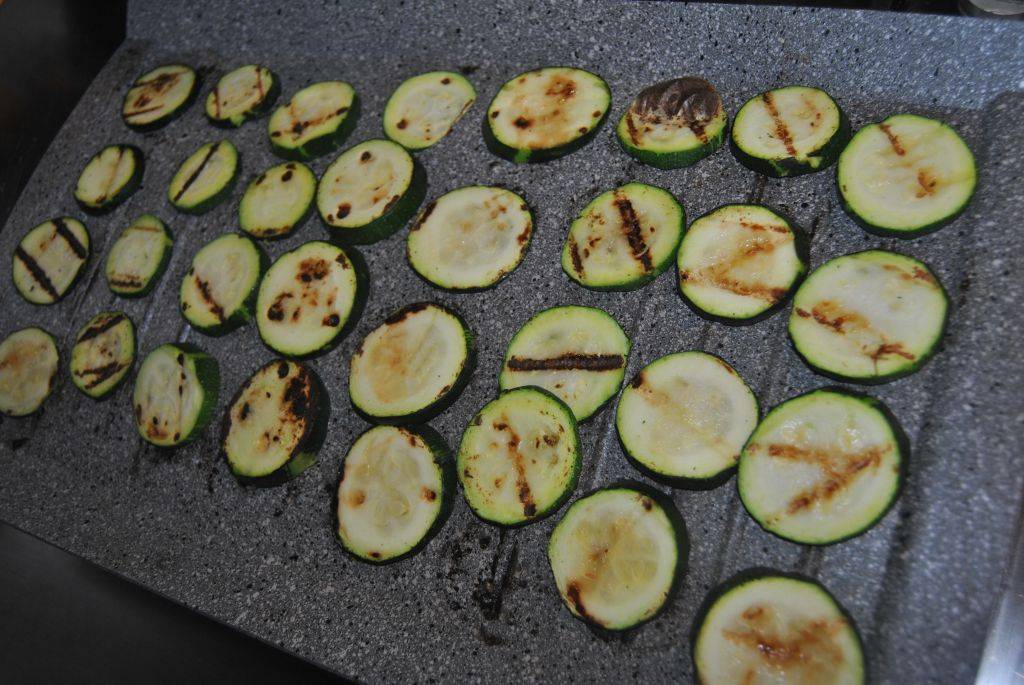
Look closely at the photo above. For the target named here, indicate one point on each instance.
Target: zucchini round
(49, 259)
(240, 95)
(175, 394)
(139, 257)
(277, 201)
(219, 289)
(28, 365)
(103, 353)
(109, 178)
(159, 96)
(424, 108)
(315, 121)
(205, 178)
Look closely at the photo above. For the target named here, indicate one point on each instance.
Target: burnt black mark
(634, 232)
(296, 396)
(332, 321)
(570, 361)
(427, 211)
(101, 327)
(100, 373)
(214, 307)
(36, 272)
(64, 231)
(199, 170)
(282, 370)
(404, 312)
(287, 176)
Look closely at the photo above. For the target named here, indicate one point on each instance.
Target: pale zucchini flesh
(219, 288)
(103, 353)
(28, 365)
(49, 260)
(424, 108)
(139, 257)
(175, 394)
(109, 178)
(158, 96)
(277, 201)
(242, 94)
(315, 121)
(205, 178)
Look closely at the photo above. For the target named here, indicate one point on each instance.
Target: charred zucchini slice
(425, 108)
(240, 95)
(175, 394)
(139, 257)
(159, 96)
(49, 259)
(103, 353)
(219, 289)
(28, 365)
(315, 121)
(205, 178)
(109, 178)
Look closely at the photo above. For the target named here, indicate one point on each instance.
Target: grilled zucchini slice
(424, 108)
(175, 394)
(49, 259)
(219, 289)
(159, 96)
(314, 122)
(205, 178)
(103, 353)
(109, 178)
(242, 94)
(28, 365)
(139, 257)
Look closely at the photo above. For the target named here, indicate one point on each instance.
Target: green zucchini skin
(256, 112)
(165, 259)
(125, 192)
(185, 105)
(322, 145)
(391, 221)
(245, 313)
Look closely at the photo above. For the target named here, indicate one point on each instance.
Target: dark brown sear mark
(344, 209)
(100, 328)
(404, 312)
(897, 145)
(100, 373)
(402, 124)
(287, 176)
(687, 101)
(569, 361)
(37, 272)
(64, 231)
(809, 643)
(199, 170)
(574, 595)
(522, 122)
(204, 292)
(427, 211)
(633, 232)
(125, 281)
(522, 486)
(366, 156)
(781, 130)
(831, 315)
(332, 321)
(574, 255)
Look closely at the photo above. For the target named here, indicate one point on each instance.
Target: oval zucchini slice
(576, 353)
(277, 201)
(49, 259)
(822, 467)
(219, 289)
(412, 366)
(175, 394)
(470, 238)
(205, 178)
(159, 96)
(868, 317)
(103, 353)
(315, 121)
(739, 263)
(109, 178)
(28, 365)
(519, 459)
(240, 95)
(546, 113)
(395, 493)
(617, 555)
(624, 238)
(777, 629)
(906, 176)
(139, 257)
(424, 108)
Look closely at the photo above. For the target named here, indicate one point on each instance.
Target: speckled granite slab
(479, 603)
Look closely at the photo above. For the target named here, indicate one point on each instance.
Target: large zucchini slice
(822, 467)
(219, 289)
(175, 394)
(315, 121)
(519, 459)
(470, 238)
(413, 365)
(109, 178)
(158, 96)
(205, 178)
(103, 353)
(245, 93)
(424, 108)
(906, 176)
(576, 353)
(868, 317)
(617, 556)
(739, 263)
(624, 238)
(674, 124)
(776, 629)
(139, 257)
(49, 259)
(789, 131)
(28, 365)
(395, 492)
(277, 201)
(546, 113)
(686, 416)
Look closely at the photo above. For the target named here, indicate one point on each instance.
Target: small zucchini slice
(49, 259)
(624, 238)
(868, 317)
(315, 121)
(28, 365)
(768, 628)
(219, 289)
(739, 263)
(546, 113)
(395, 493)
(370, 191)
(617, 556)
(275, 424)
(103, 353)
(175, 394)
(306, 298)
(822, 467)
(674, 124)
(424, 108)
(109, 178)
(139, 257)
(205, 178)
(159, 96)
(277, 201)
(412, 366)
(906, 176)
(519, 459)
(789, 131)
(243, 94)
(470, 238)
(686, 416)
(576, 353)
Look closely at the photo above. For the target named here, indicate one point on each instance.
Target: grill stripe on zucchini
(49, 259)
(109, 178)
(315, 121)
(158, 96)
(242, 94)
(219, 289)
(205, 178)
(103, 353)
(175, 394)
(424, 108)
(139, 257)
(28, 365)
(277, 201)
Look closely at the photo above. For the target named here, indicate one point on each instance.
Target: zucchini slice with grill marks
(577, 353)
(109, 178)
(139, 257)
(103, 353)
(49, 259)
(868, 317)
(28, 365)
(243, 94)
(618, 555)
(822, 467)
(275, 424)
(277, 201)
(470, 238)
(306, 299)
(175, 394)
(519, 459)
(674, 124)
(315, 121)
(546, 113)
(395, 493)
(906, 176)
(686, 416)
(789, 131)
(776, 629)
(205, 178)
(413, 365)
(424, 108)
(159, 96)
(624, 238)
(739, 263)
(219, 289)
